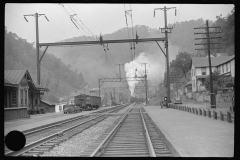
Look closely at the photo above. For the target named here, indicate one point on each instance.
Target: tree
(182, 63)
(217, 80)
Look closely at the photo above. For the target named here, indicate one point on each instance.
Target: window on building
(21, 96)
(25, 96)
(219, 69)
(14, 97)
(203, 70)
(35, 99)
(229, 66)
(222, 69)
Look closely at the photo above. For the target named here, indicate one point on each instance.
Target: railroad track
(134, 135)
(45, 144)
(67, 121)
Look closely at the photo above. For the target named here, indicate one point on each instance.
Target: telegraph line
(72, 19)
(213, 100)
(111, 60)
(125, 11)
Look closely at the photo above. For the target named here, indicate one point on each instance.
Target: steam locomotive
(135, 99)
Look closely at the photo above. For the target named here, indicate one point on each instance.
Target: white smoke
(155, 70)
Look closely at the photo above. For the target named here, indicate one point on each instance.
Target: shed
(48, 106)
(188, 87)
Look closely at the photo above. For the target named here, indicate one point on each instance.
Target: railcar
(87, 102)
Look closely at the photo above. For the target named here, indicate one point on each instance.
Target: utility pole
(166, 46)
(146, 79)
(119, 69)
(213, 100)
(99, 86)
(114, 94)
(36, 15)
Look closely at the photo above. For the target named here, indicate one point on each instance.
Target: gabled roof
(14, 76)
(215, 61)
(47, 102)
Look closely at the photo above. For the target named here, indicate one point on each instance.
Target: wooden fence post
(204, 112)
(229, 118)
(214, 115)
(193, 110)
(222, 116)
(200, 111)
(209, 113)
(196, 111)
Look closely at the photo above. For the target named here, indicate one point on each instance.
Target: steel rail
(150, 145)
(57, 124)
(46, 139)
(110, 135)
(51, 137)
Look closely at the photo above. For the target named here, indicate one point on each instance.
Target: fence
(220, 97)
(229, 117)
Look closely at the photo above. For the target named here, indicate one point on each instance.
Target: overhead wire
(111, 65)
(30, 24)
(111, 60)
(132, 32)
(128, 30)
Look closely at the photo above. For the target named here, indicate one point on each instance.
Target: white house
(200, 69)
(59, 107)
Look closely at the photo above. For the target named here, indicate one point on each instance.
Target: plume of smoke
(155, 70)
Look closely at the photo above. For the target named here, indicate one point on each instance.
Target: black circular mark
(15, 140)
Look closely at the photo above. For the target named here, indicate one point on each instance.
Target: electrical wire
(128, 30)
(30, 24)
(111, 60)
(85, 32)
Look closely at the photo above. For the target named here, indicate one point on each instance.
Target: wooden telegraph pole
(212, 95)
(166, 46)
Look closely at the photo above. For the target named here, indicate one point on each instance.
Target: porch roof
(188, 83)
(202, 76)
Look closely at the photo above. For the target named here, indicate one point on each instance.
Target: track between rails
(133, 136)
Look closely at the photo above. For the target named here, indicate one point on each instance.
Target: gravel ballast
(77, 144)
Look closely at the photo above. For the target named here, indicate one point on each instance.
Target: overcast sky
(104, 18)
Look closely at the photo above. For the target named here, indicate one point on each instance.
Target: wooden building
(20, 94)
(48, 106)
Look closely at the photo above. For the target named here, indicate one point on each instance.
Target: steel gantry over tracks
(101, 42)
(102, 80)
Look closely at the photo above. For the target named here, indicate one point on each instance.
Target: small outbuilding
(48, 106)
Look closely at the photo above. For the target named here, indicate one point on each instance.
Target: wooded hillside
(55, 75)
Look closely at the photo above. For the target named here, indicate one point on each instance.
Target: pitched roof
(47, 102)
(215, 61)
(13, 76)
